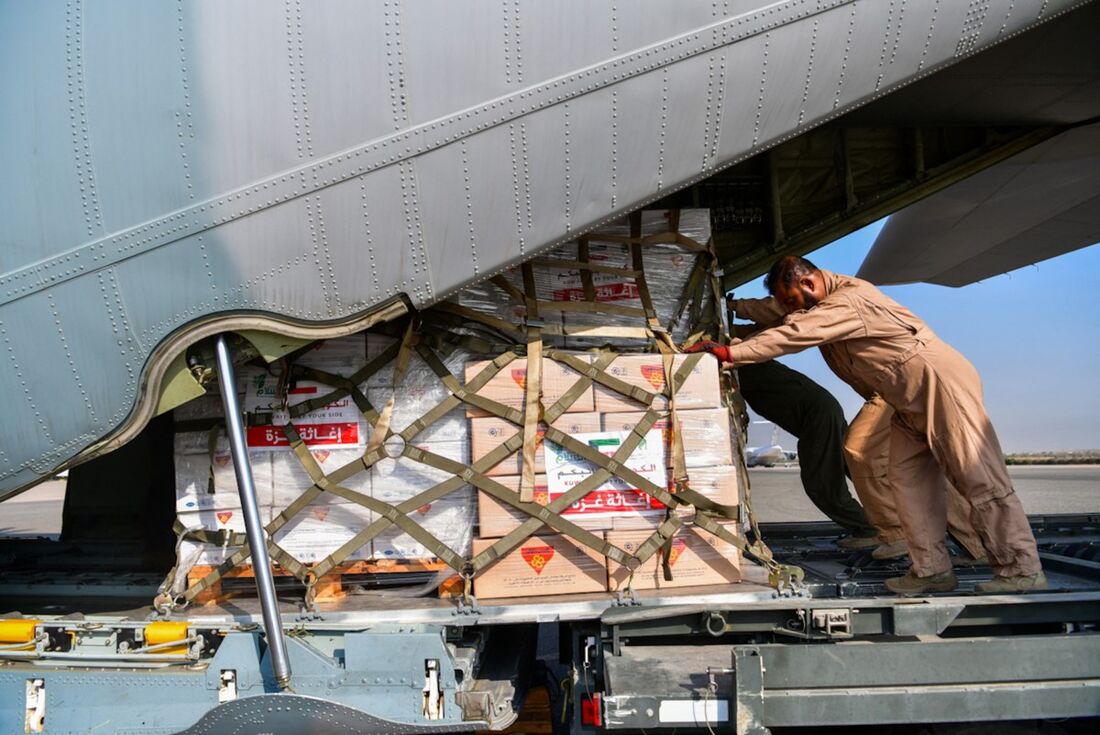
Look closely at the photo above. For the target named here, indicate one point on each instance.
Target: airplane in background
(771, 454)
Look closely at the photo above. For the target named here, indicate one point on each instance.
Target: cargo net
(592, 295)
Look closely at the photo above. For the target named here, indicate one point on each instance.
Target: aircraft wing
(1036, 205)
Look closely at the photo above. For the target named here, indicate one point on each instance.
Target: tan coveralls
(867, 454)
(867, 451)
(939, 427)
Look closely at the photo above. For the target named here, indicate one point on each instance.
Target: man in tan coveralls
(939, 427)
(867, 454)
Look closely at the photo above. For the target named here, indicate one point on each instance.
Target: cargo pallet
(333, 586)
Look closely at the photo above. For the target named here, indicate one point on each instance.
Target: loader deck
(44, 577)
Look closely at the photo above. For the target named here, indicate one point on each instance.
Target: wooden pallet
(330, 587)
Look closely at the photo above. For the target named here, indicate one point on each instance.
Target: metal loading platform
(851, 655)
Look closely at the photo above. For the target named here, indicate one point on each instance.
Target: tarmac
(776, 493)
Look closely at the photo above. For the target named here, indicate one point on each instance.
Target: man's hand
(709, 345)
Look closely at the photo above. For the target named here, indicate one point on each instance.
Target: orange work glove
(719, 351)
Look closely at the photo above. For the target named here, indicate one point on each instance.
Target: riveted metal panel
(147, 148)
(41, 110)
(335, 54)
(246, 121)
(280, 157)
(438, 73)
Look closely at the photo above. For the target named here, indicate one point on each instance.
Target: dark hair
(786, 270)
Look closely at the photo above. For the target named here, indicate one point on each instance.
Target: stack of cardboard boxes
(553, 564)
(337, 435)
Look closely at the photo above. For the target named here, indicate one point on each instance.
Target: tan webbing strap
(604, 307)
(567, 399)
(607, 332)
(380, 430)
(473, 475)
(584, 266)
(502, 283)
(556, 330)
(215, 538)
(606, 468)
(211, 450)
(463, 394)
(344, 386)
(659, 539)
(660, 335)
(676, 447)
(532, 387)
(633, 392)
(616, 466)
(690, 295)
(585, 270)
(477, 316)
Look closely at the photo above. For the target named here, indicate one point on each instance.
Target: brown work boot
(895, 550)
(911, 584)
(969, 561)
(853, 543)
(1006, 585)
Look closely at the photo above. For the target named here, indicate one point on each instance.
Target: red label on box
(323, 434)
(610, 500)
(604, 292)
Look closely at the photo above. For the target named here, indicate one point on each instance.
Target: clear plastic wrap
(322, 527)
(667, 267)
(193, 464)
(290, 479)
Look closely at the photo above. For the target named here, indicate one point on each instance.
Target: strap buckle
(627, 598)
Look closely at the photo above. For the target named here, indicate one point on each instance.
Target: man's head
(796, 283)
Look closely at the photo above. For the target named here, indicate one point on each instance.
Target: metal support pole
(261, 563)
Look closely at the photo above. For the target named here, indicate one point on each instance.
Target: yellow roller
(18, 631)
(166, 631)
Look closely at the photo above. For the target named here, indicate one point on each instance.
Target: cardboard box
(413, 402)
(541, 565)
(566, 469)
(224, 519)
(509, 385)
(698, 558)
(322, 527)
(193, 463)
(397, 479)
(700, 389)
(603, 509)
(720, 484)
(338, 425)
(488, 433)
(290, 479)
(705, 433)
(449, 519)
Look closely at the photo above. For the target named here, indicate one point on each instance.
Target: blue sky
(1033, 334)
